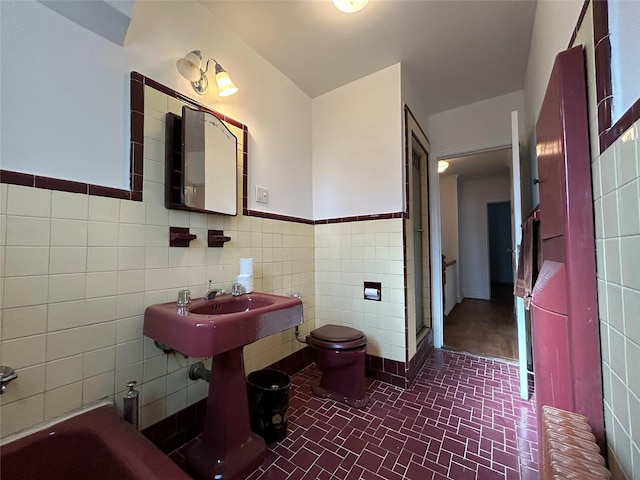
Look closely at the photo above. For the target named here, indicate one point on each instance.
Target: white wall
(474, 248)
(449, 216)
(72, 120)
(357, 147)
(479, 126)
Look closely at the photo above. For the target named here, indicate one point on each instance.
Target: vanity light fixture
(189, 67)
(442, 165)
(350, 6)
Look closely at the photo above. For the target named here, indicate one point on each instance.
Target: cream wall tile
(629, 205)
(154, 368)
(27, 201)
(64, 371)
(131, 258)
(101, 309)
(67, 287)
(25, 231)
(101, 284)
(130, 305)
(151, 414)
(62, 400)
(3, 231)
(153, 192)
(24, 352)
(104, 209)
(129, 353)
(633, 359)
(199, 390)
(153, 391)
(157, 214)
(154, 151)
(612, 261)
(69, 205)
(178, 218)
(23, 261)
(610, 215)
(631, 306)
(127, 374)
(68, 260)
(153, 128)
(177, 380)
(626, 154)
(128, 329)
(131, 281)
(20, 415)
(68, 233)
(98, 387)
(100, 259)
(630, 252)
(100, 335)
(103, 234)
(31, 383)
(131, 235)
(65, 343)
(25, 291)
(66, 315)
(157, 257)
(99, 361)
(176, 401)
(132, 212)
(23, 321)
(4, 187)
(608, 171)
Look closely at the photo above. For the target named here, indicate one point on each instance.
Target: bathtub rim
(56, 420)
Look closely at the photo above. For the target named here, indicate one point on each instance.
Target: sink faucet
(212, 292)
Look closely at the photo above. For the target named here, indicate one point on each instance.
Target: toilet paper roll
(372, 293)
(246, 266)
(246, 281)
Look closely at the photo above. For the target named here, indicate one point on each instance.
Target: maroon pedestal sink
(228, 449)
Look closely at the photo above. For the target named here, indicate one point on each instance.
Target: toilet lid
(336, 333)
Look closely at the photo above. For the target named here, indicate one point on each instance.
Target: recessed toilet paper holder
(373, 291)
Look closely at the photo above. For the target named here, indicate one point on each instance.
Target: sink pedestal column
(228, 449)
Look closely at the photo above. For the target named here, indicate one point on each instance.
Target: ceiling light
(442, 166)
(189, 67)
(350, 6)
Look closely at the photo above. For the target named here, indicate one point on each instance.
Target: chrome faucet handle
(296, 295)
(6, 375)
(184, 298)
(237, 290)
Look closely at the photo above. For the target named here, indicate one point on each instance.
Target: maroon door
(566, 336)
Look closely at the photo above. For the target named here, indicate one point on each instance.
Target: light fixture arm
(206, 69)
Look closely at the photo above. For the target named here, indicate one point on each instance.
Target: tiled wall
(347, 255)
(617, 214)
(616, 196)
(79, 270)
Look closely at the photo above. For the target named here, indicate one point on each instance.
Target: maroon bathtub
(97, 445)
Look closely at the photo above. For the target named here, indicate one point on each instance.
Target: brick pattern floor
(463, 419)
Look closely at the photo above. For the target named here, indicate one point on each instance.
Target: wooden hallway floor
(483, 327)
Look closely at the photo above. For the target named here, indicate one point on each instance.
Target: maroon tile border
(607, 132)
(177, 429)
(293, 363)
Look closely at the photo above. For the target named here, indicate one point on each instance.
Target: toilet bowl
(340, 352)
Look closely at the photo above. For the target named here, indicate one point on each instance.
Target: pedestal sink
(228, 449)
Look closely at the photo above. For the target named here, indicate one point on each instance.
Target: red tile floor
(463, 419)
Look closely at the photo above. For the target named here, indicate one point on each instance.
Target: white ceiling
(455, 52)
(489, 164)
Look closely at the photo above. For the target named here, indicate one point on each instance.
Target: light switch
(262, 195)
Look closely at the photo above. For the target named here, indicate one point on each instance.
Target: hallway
(484, 327)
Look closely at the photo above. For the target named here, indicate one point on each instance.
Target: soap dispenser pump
(130, 404)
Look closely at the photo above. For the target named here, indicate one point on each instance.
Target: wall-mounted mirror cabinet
(201, 163)
(205, 152)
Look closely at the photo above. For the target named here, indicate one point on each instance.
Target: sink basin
(224, 305)
(208, 328)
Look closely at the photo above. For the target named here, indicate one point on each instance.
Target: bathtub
(96, 445)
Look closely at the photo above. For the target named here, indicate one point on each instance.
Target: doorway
(500, 251)
(476, 218)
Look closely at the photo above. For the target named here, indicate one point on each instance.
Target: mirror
(201, 152)
(201, 164)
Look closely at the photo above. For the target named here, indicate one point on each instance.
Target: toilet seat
(337, 337)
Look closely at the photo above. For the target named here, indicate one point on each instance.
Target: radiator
(568, 448)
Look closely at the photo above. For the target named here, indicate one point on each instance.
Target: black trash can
(268, 392)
